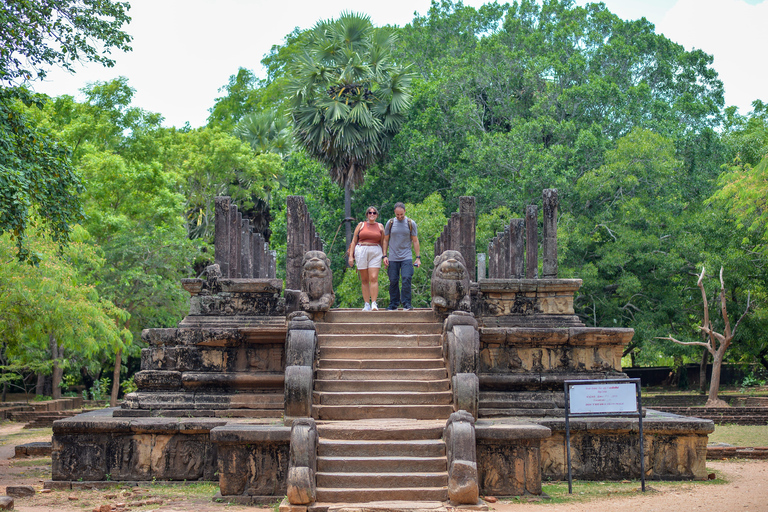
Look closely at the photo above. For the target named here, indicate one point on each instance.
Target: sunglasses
(373, 213)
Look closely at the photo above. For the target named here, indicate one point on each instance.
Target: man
(399, 234)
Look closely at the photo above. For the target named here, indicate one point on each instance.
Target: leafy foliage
(41, 33)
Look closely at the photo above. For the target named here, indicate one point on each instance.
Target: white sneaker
(367, 307)
(374, 306)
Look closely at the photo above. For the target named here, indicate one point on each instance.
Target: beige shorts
(368, 256)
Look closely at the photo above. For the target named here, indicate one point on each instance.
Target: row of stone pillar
(513, 253)
(301, 237)
(239, 251)
(459, 233)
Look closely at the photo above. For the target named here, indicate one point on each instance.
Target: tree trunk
(714, 385)
(703, 370)
(348, 211)
(58, 372)
(116, 378)
(40, 387)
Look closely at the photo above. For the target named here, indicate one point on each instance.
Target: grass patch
(740, 435)
(20, 436)
(27, 463)
(585, 491)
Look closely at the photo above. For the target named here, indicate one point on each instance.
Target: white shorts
(368, 256)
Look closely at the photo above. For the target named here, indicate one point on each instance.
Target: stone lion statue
(316, 282)
(450, 283)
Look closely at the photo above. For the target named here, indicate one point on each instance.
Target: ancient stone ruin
(272, 392)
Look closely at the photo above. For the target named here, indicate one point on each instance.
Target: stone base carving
(463, 488)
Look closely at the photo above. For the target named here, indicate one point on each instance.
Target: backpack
(389, 225)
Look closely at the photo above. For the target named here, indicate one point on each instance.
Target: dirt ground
(745, 490)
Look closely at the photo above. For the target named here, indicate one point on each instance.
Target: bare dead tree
(717, 343)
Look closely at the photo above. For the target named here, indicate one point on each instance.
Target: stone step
(381, 430)
(357, 412)
(496, 413)
(424, 386)
(382, 341)
(425, 448)
(393, 326)
(389, 464)
(381, 480)
(418, 315)
(326, 495)
(419, 352)
(399, 374)
(380, 364)
(489, 404)
(382, 398)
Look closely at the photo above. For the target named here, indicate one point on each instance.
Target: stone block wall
(98, 447)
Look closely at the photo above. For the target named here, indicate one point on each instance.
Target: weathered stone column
(467, 236)
(221, 235)
(531, 242)
(549, 233)
(517, 248)
(246, 256)
(296, 224)
(481, 268)
(257, 251)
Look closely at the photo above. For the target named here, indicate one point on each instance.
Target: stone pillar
(467, 230)
(272, 270)
(549, 234)
(257, 258)
(517, 248)
(481, 266)
(221, 235)
(235, 219)
(296, 224)
(531, 242)
(246, 246)
(504, 269)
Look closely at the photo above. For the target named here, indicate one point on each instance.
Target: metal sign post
(611, 397)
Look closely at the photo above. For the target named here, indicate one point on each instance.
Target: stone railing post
(460, 447)
(300, 348)
(461, 351)
(302, 467)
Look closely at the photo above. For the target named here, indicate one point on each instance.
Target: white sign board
(612, 397)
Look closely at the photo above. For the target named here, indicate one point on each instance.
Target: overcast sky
(184, 51)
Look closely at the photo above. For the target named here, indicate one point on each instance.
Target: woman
(365, 249)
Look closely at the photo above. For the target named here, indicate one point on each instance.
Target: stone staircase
(381, 397)
(378, 460)
(381, 364)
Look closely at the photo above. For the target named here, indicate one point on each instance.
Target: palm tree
(266, 132)
(348, 98)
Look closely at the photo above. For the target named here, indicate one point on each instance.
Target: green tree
(51, 315)
(36, 180)
(348, 98)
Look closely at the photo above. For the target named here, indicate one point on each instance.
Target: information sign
(599, 398)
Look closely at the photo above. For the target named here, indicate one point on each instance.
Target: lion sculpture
(316, 282)
(450, 283)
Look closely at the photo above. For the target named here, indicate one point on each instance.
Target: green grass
(19, 437)
(740, 435)
(25, 463)
(584, 491)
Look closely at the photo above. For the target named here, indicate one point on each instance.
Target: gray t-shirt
(400, 238)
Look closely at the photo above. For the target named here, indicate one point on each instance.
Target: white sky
(185, 50)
